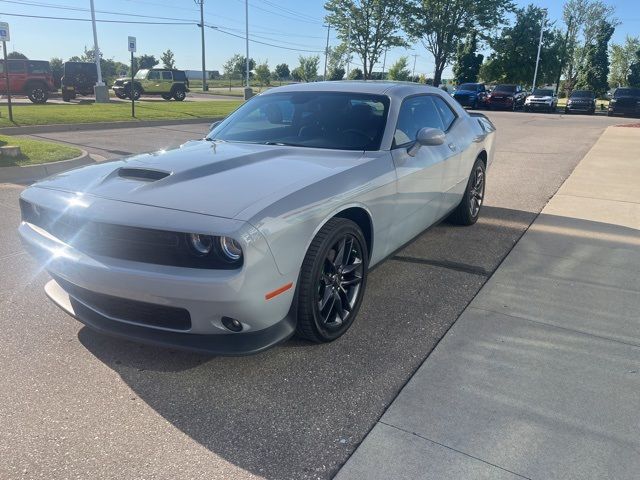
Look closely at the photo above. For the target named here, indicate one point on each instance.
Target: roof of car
(374, 87)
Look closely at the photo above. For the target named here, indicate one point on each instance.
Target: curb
(77, 127)
(37, 172)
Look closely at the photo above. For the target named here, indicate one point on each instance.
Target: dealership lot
(77, 404)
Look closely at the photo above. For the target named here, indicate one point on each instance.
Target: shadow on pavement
(299, 410)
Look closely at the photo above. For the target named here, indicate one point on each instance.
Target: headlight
(231, 249)
(201, 244)
(613, 100)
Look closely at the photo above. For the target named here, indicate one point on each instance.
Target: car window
(446, 114)
(154, 76)
(166, 76)
(179, 76)
(416, 113)
(36, 67)
(333, 120)
(14, 66)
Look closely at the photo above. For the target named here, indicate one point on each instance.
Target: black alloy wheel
(332, 281)
(38, 94)
(468, 211)
(179, 94)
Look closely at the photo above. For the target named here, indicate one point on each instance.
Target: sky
(292, 27)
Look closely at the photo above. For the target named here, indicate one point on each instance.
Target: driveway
(76, 404)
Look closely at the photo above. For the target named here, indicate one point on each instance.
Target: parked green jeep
(156, 81)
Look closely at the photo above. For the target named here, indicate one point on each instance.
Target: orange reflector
(278, 291)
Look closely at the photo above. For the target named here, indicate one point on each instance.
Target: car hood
(212, 178)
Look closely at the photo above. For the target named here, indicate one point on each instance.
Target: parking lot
(76, 404)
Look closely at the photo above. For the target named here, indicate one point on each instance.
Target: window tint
(154, 76)
(179, 76)
(166, 76)
(38, 67)
(445, 112)
(15, 66)
(416, 113)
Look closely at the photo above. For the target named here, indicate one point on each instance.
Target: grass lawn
(34, 151)
(114, 112)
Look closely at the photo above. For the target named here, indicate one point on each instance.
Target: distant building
(197, 74)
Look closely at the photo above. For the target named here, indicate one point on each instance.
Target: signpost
(132, 49)
(5, 37)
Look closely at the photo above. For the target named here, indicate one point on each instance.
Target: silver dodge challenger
(265, 228)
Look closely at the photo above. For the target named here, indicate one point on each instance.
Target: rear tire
(332, 281)
(468, 211)
(179, 94)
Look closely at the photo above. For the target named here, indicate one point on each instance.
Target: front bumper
(207, 295)
(580, 107)
(539, 106)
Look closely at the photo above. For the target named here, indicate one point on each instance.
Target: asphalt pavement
(76, 404)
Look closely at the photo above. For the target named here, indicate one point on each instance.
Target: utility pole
(413, 72)
(564, 54)
(348, 48)
(247, 89)
(102, 95)
(326, 54)
(535, 74)
(384, 63)
(205, 87)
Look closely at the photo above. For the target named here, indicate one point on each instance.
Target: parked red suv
(27, 77)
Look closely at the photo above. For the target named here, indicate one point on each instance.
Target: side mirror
(214, 125)
(426, 137)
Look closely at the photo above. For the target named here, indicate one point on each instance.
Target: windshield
(335, 120)
(543, 93)
(505, 88)
(582, 94)
(141, 74)
(472, 87)
(627, 92)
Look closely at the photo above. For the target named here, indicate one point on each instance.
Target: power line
(290, 11)
(46, 17)
(290, 17)
(219, 29)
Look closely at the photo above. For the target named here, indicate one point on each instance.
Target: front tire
(38, 93)
(332, 281)
(468, 211)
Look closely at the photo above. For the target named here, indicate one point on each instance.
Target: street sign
(132, 44)
(4, 32)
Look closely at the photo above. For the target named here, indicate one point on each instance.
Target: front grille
(118, 241)
(132, 311)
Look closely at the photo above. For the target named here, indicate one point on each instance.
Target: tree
(263, 74)
(17, 55)
(308, 68)
(582, 18)
(594, 71)
(168, 60)
(147, 61)
(622, 58)
(633, 79)
(467, 66)
(236, 67)
(514, 53)
(369, 26)
(296, 74)
(356, 74)
(400, 70)
(282, 71)
(440, 25)
(336, 60)
(57, 70)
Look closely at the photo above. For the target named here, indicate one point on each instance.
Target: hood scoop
(142, 174)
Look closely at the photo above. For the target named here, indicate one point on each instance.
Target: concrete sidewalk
(540, 376)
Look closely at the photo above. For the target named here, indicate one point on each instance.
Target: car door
(166, 81)
(420, 178)
(152, 82)
(456, 140)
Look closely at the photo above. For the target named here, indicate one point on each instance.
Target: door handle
(453, 147)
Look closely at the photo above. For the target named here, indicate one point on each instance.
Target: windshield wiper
(282, 144)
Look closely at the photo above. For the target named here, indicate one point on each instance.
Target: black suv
(79, 78)
(506, 96)
(581, 101)
(625, 101)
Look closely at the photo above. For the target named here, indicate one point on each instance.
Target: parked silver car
(265, 228)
